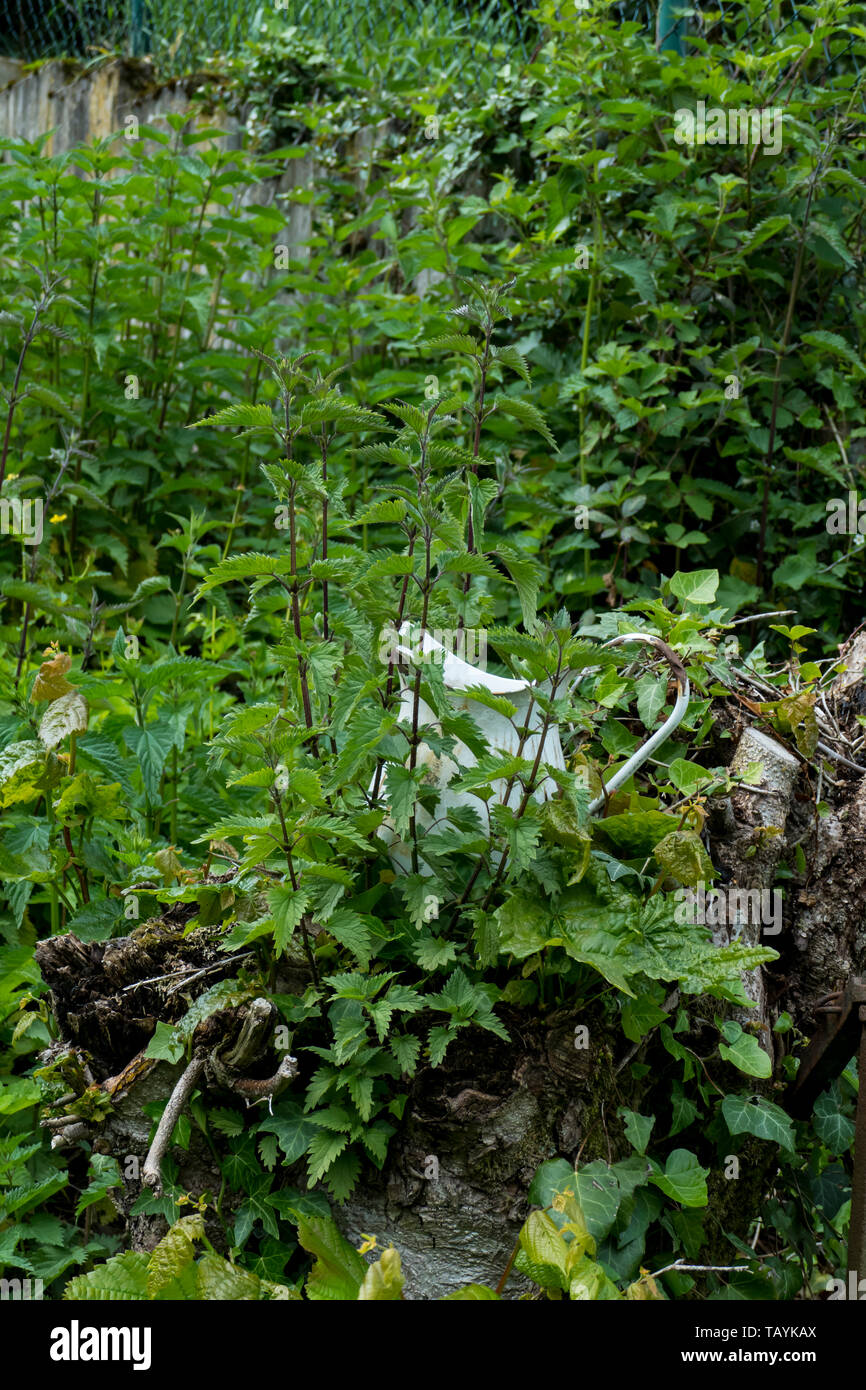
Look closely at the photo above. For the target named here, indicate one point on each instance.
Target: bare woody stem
(151, 1174)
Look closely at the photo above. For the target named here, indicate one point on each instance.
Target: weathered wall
(78, 105)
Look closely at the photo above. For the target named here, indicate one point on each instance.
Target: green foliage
(210, 701)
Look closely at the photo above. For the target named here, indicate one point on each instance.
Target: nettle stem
(426, 589)
(14, 395)
(293, 587)
(178, 328)
(392, 666)
(293, 879)
(484, 367)
(529, 787)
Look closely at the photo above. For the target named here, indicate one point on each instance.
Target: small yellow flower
(369, 1243)
(58, 516)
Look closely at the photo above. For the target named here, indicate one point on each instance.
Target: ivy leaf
(166, 1045)
(598, 1195)
(651, 698)
(744, 1051)
(638, 1128)
(294, 1130)
(683, 1179)
(745, 1115)
(831, 1126)
(696, 586)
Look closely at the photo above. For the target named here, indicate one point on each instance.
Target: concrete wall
(78, 105)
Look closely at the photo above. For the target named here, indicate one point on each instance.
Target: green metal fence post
(669, 30)
(139, 35)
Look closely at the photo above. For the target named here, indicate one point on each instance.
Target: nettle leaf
(526, 414)
(837, 345)
(455, 342)
(288, 906)
(105, 1174)
(754, 1115)
(252, 565)
(438, 1041)
(65, 716)
(252, 417)
(351, 931)
(402, 785)
(406, 1049)
(509, 356)
(150, 746)
(636, 269)
(423, 895)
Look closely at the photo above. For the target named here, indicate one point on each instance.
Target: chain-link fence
(185, 35)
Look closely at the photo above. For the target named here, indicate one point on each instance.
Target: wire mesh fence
(182, 36)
